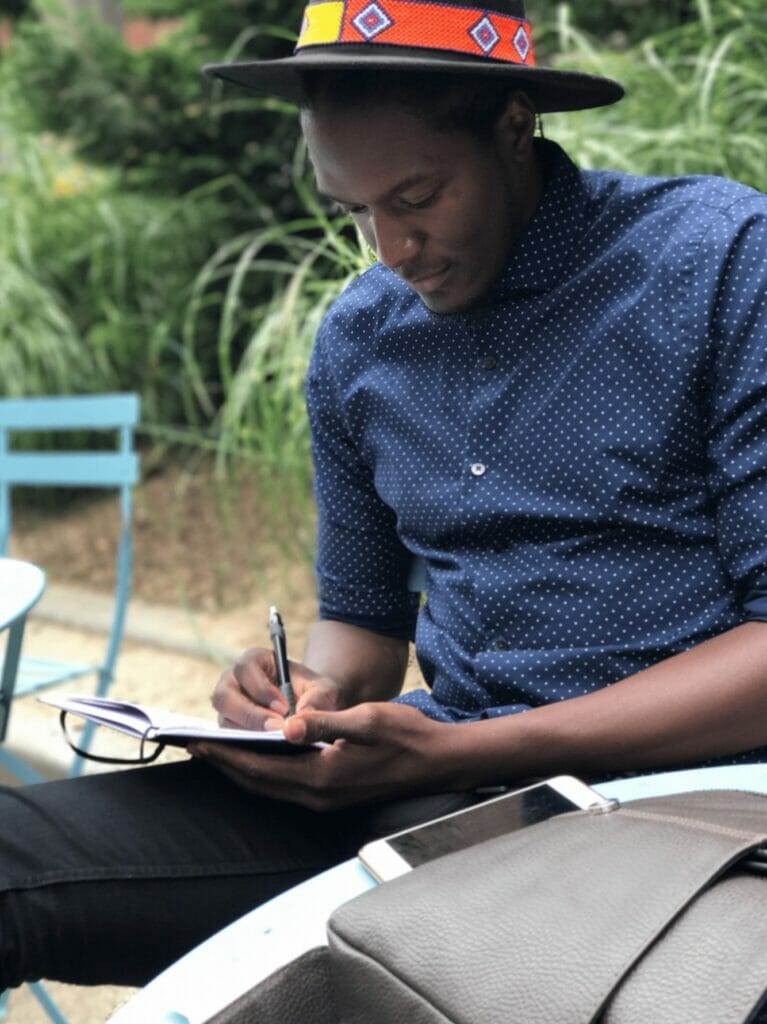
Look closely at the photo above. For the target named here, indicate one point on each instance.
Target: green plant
(152, 114)
(613, 24)
(207, 299)
(696, 97)
(94, 279)
(41, 349)
(263, 350)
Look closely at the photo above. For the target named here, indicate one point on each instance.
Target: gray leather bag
(655, 913)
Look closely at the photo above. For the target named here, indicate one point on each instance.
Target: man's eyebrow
(402, 186)
(328, 198)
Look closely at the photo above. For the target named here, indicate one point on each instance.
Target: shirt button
(500, 645)
(489, 362)
(478, 469)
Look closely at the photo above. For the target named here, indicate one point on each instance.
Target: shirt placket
(484, 471)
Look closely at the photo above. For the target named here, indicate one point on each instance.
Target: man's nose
(395, 243)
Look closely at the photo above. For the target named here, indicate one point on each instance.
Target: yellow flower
(64, 187)
(73, 180)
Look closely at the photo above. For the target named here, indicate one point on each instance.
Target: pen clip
(280, 648)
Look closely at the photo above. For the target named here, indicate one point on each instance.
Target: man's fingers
(321, 695)
(245, 695)
(358, 725)
(255, 683)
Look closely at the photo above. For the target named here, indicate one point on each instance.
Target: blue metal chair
(21, 585)
(118, 470)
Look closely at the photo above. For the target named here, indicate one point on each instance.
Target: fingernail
(280, 706)
(298, 730)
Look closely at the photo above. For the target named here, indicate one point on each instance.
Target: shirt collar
(545, 252)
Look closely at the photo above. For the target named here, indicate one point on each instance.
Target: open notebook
(156, 725)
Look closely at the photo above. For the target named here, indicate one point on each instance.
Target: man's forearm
(710, 701)
(366, 665)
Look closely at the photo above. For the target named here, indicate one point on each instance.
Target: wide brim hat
(398, 36)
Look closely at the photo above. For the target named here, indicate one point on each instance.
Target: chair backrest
(119, 468)
(116, 469)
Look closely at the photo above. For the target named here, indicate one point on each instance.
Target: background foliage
(158, 233)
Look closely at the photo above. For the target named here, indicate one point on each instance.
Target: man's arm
(708, 702)
(365, 666)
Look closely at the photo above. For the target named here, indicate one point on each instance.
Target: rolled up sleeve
(361, 565)
(738, 438)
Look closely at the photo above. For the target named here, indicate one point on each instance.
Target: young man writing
(551, 388)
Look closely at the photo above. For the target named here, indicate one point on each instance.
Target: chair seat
(38, 673)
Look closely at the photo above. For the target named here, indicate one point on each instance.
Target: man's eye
(349, 210)
(344, 210)
(420, 204)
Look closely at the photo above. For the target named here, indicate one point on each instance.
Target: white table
(231, 962)
(21, 586)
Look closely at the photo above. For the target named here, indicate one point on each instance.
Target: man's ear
(515, 128)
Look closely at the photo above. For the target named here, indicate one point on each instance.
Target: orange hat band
(419, 23)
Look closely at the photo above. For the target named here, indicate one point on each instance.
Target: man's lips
(429, 281)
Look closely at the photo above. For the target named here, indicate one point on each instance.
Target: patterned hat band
(418, 23)
(487, 38)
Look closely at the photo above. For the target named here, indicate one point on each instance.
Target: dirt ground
(199, 541)
(201, 559)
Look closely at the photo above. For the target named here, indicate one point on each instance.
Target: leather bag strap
(544, 925)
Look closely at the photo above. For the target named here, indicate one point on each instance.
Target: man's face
(439, 209)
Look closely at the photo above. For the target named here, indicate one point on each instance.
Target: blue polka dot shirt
(580, 460)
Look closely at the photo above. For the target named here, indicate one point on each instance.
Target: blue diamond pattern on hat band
(485, 35)
(371, 21)
(522, 43)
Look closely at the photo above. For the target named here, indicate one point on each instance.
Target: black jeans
(107, 879)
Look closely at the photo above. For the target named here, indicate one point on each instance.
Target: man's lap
(108, 878)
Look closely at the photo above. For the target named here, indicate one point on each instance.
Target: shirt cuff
(755, 605)
(401, 629)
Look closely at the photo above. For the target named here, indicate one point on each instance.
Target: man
(598, 542)
(552, 389)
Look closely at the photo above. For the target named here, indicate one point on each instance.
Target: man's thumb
(326, 726)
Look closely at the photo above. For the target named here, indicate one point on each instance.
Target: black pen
(280, 647)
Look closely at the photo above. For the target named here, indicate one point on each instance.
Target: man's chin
(444, 303)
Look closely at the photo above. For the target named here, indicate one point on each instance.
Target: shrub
(94, 280)
(152, 114)
(696, 97)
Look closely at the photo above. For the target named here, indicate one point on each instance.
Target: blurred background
(159, 234)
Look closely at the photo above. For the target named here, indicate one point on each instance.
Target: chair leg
(78, 763)
(105, 678)
(43, 998)
(23, 771)
(47, 1003)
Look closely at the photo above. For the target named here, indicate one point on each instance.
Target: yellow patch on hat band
(322, 23)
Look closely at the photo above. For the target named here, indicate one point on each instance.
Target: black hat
(421, 35)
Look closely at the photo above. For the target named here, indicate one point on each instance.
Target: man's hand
(378, 750)
(247, 696)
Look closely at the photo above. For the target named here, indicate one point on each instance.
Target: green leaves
(696, 98)
(159, 232)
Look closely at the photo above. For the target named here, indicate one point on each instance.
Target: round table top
(225, 966)
(21, 585)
